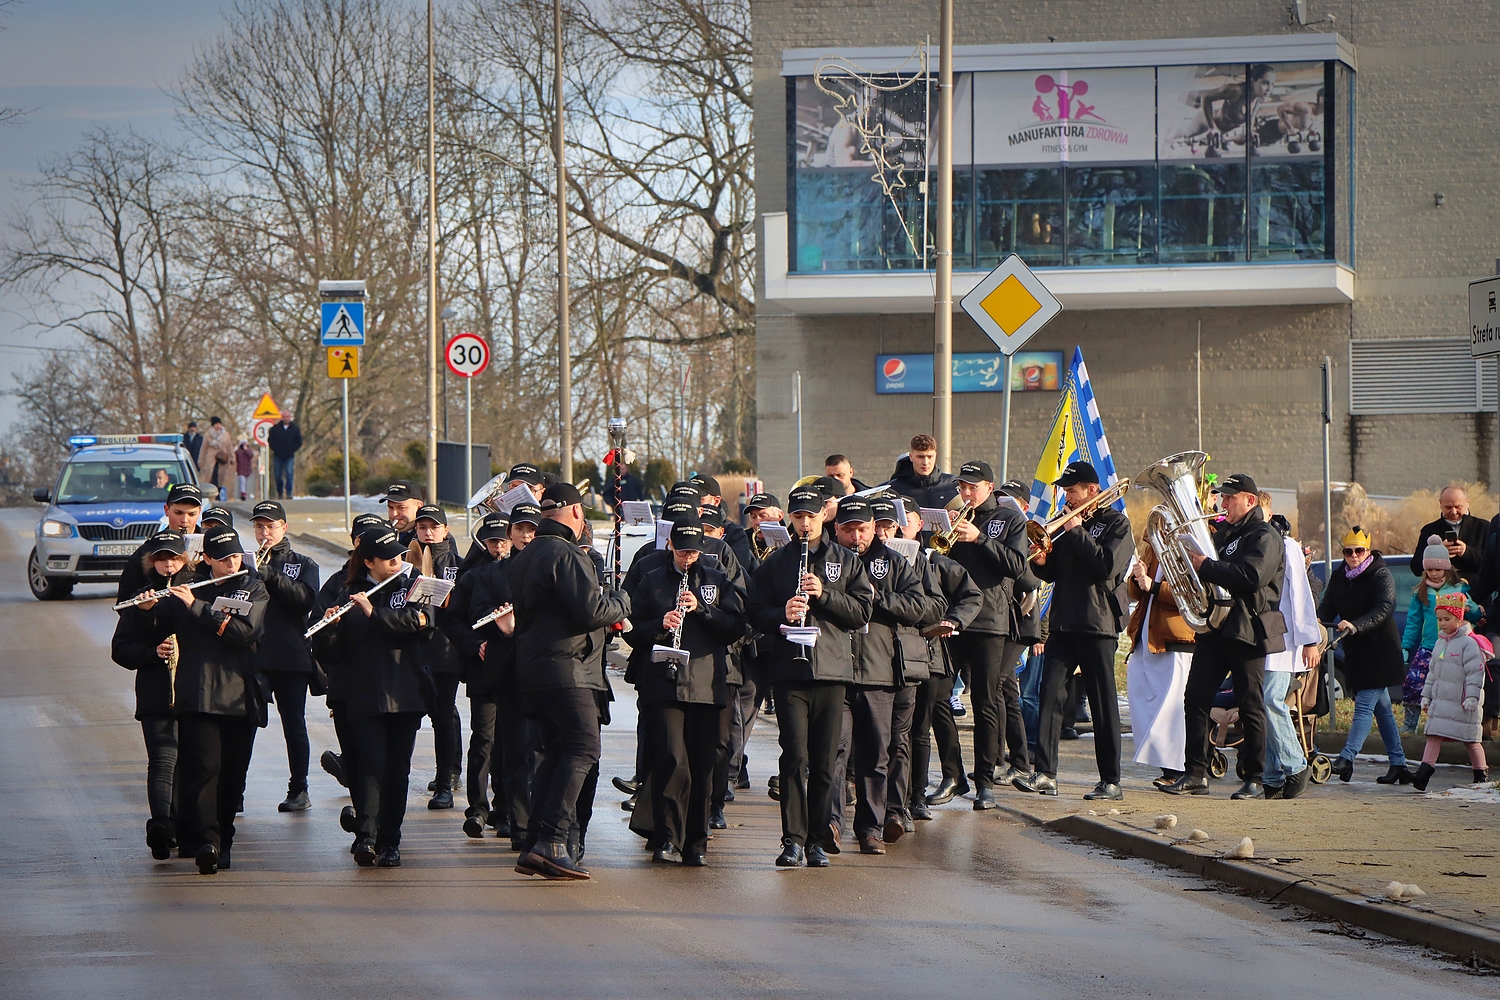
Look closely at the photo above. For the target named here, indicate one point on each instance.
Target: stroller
(1308, 702)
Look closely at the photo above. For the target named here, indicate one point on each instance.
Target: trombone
(1041, 534)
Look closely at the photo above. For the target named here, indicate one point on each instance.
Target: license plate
(113, 550)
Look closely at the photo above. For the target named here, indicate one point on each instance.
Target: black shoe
(502, 829)
(518, 844)
(791, 856)
(1036, 782)
(1251, 789)
(773, 787)
(1105, 790)
(334, 765)
(625, 787)
(441, 799)
(742, 783)
(920, 811)
(208, 859)
(347, 819)
(628, 804)
(432, 785)
(1068, 733)
(1004, 774)
(388, 857)
(984, 800)
(816, 857)
(474, 825)
(1295, 784)
(159, 839)
(364, 852)
(1423, 775)
(666, 854)
(1167, 777)
(1187, 785)
(694, 859)
(947, 791)
(1481, 775)
(1273, 791)
(1398, 775)
(551, 861)
(296, 801)
(729, 795)
(893, 830)
(1343, 767)
(716, 819)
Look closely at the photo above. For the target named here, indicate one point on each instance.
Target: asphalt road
(972, 905)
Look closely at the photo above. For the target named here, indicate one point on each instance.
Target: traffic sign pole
(469, 455)
(1005, 422)
(468, 354)
(348, 502)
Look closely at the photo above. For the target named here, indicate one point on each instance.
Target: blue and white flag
(1077, 436)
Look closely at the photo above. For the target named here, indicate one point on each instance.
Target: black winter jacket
(333, 593)
(456, 618)
(1372, 655)
(137, 634)
(378, 659)
(900, 600)
(933, 490)
(1251, 566)
(955, 598)
(715, 553)
(291, 581)
(216, 672)
(561, 615)
(738, 541)
(845, 606)
(1086, 567)
(707, 633)
(497, 677)
(995, 560)
(439, 654)
(1473, 531)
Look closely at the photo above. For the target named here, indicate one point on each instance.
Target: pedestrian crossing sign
(343, 324)
(343, 362)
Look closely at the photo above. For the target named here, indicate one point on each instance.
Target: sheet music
(800, 635)
(775, 535)
(429, 590)
(232, 606)
(663, 533)
(520, 493)
(907, 548)
(666, 654)
(936, 519)
(635, 513)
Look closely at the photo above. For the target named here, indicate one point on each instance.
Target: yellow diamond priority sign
(1011, 304)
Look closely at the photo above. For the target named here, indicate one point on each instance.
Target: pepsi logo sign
(894, 369)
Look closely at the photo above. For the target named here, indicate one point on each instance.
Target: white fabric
(1299, 610)
(1155, 685)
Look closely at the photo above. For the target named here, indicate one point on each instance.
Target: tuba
(1176, 478)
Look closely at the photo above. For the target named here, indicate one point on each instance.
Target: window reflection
(1020, 211)
(1111, 215)
(1202, 212)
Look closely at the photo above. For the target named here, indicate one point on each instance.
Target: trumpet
(157, 595)
(495, 615)
(1041, 534)
(345, 608)
(942, 542)
(264, 552)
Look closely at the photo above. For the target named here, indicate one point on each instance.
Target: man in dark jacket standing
(1249, 565)
(917, 475)
(1086, 565)
(284, 438)
(284, 656)
(1462, 534)
(561, 618)
(831, 593)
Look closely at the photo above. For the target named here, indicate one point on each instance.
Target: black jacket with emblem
(1250, 567)
(715, 553)
(955, 597)
(137, 634)
(456, 619)
(216, 673)
(847, 601)
(561, 615)
(375, 663)
(994, 561)
(334, 592)
(738, 541)
(707, 633)
(291, 581)
(900, 601)
(440, 654)
(1087, 567)
(497, 675)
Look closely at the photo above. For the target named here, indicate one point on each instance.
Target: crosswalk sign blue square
(343, 324)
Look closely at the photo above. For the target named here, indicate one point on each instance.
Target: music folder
(668, 654)
(634, 513)
(936, 519)
(775, 535)
(232, 606)
(801, 635)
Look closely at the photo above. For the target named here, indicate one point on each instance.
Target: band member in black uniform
(763, 508)
(1251, 567)
(689, 605)
(1086, 566)
(215, 517)
(283, 656)
(433, 553)
(734, 536)
(817, 583)
(378, 649)
(992, 546)
(145, 646)
(402, 501)
(561, 618)
(714, 530)
(217, 696)
(182, 510)
(878, 701)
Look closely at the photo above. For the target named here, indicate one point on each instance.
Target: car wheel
(44, 587)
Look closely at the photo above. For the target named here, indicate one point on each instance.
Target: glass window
(1202, 212)
(1286, 211)
(1111, 215)
(107, 482)
(1020, 211)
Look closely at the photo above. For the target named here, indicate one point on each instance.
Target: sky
(75, 64)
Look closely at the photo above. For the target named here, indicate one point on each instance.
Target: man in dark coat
(284, 438)
(1464, 535)
(917, 475)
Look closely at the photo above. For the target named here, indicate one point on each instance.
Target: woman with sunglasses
(1361, 597)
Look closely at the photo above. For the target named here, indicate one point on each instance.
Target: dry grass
(1391, 530)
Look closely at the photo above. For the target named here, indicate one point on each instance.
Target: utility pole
(942, 333)
(432, 313)
(564, 349)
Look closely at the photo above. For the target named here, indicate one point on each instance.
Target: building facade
(1220, 196)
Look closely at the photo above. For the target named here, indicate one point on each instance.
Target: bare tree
(8, 114)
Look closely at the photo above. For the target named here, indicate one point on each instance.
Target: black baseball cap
(430, 512)
(364, 522)
(687, 535)
(1017, 491)
(166, 541)
(686, 486)
(220, 514)
(268, 509)
(493, 526)
(1237, 483)
(380, 545)
(712, 516)
(184, 493)
(526, 513)
(912, 507)
(400, 491)
(560, 495)
(832, 488)
(976, 472)
(762, 501)
(882, 509)
(524, 472)
(1077, 472)
(674, 510)
(222, 543)
(708, 484)
(805, 500)
(853, 508)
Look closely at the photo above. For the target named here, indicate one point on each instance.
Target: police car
(108, 500)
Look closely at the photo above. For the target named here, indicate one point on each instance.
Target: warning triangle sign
(267, 410)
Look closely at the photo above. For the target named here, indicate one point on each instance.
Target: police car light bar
(85, 440)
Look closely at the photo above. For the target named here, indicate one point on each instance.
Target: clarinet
(682, 589)
(801, 656)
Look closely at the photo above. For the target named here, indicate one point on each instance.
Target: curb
(1466, 942)
(302, 538)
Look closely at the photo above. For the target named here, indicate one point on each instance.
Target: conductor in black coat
(561, 623)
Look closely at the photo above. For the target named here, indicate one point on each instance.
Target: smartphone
(1451, 534)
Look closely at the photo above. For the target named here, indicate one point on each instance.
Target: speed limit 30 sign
(468, 354)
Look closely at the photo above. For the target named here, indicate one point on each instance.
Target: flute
(344, 609)
(156, 595)
(498, 613)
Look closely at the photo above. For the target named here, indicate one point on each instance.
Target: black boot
(1481, 775)
(474, 820)
(1423, 775)
(1397, 775)
(296, 798)
(1343, 767)
(158, 837)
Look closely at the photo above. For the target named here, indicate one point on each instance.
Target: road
(972, 905)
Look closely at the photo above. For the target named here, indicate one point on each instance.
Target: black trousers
(934, 722)
(383, 745)
(1094, 656)
(810, 716)
(567, 720)
(872, 710)
(484, 769)
(447, 732)
(213, 755)
(721, 752)
(750, 696)
(517, 749)
(339, 710)
(898, 770)
(841, 768)
(682, 769)
(289, 690)
(160, 732)
(1212, 660)
(991, 662)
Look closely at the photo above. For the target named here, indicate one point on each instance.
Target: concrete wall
(1424, 124)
